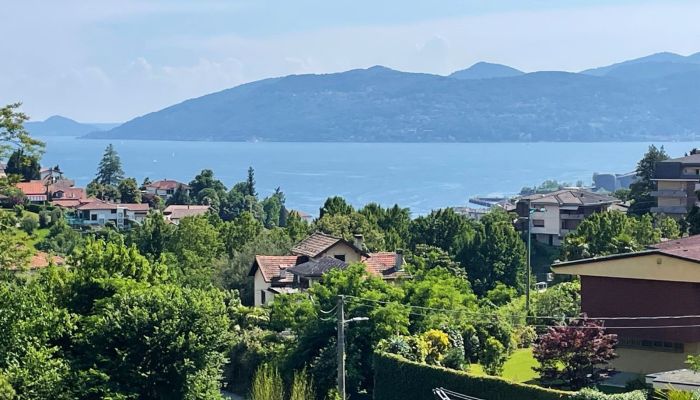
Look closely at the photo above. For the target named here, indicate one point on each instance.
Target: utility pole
(341, 346)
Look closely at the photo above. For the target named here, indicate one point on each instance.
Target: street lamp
(341, 343)
(529, 252)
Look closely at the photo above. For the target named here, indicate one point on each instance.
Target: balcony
(669, 210)
(679, 194)
(571, 216)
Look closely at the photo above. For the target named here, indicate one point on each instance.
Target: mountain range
(651, 98)
(62, 126)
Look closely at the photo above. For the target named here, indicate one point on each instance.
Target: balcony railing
(682, 194)
(670, 210)
(571, 216)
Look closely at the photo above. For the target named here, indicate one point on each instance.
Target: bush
(399, 379)
(592, 394)
(454, 359)
(494, 356)
(267, 384)
(29, 224)
(44, 219)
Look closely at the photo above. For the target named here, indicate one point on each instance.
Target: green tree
(496, 254)
(14, 136)
(155, 343)
(347, 225)
(14, 252)
(25, 166)
(640, 191)
(62, 239)
(153, 236)
(557, 304)
(195, 245)
(129, 191)
(297, 228)
(442, 228)
(180, 196)
(302, 386)
(110, 172)
(494, 356)
(241, 230)
(250, 183)
(267, 384)
(425, 258)
(206, 180)
(668, 226)
(335, 205)
(610, 232)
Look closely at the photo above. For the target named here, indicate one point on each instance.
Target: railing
(670, 210)
(671, 193)
(571, 216)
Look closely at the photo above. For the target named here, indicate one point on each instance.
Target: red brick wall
(613, 297)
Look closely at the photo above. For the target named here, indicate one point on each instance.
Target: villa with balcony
(557, 213)
(677, 180)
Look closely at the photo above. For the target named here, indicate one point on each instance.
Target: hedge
(396, 378)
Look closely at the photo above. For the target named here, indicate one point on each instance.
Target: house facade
(165, 188)
(310, 259)
(677, 180)
(99, 213)
(36, 191)
(174, 213)
(652, 297)
(558, 213)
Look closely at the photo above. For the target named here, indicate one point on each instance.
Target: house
(164, 188)
(36, 191)
(100, 212)
(304, 216)
(657, 290)
(174, 213)
(313, 257)
(557, 213)
(676, 182)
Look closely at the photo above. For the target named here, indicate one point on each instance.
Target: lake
(422, 176)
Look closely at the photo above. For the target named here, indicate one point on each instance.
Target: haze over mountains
(651, 98)
(62, 126)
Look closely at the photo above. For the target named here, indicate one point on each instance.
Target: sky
(113, 60)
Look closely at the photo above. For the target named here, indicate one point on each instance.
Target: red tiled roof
(69, 193)
(317, 243)
(175, 212)
(35, 187)
(41, 260)
(104, 205)
(382, 264)
(270, 267)
(165, 184)
(66, 203)
(688, 247)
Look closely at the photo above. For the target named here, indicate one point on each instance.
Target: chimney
(359, 241)
(399, 259)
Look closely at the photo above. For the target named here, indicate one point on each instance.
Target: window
(651, 345)
(262, 297)
(114, 211)
(93, 217)
(340, 257)
(538, 223)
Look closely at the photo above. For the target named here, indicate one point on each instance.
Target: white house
(165, 188)
(99, 213)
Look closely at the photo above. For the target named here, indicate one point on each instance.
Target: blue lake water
(422, 176)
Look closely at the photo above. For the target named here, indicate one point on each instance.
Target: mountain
(652, 66)
(62, 126)
(630, 101)
(484, 70)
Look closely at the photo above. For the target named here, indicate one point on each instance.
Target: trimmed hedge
(396, 378)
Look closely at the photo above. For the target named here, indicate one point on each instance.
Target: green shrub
(267, 384)
(302, 387)
(399, 379)
(44, 219)
(592, 394)
(494, 356)
(29, 224)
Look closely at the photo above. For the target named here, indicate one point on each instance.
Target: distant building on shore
(558, 213)
(613, 182)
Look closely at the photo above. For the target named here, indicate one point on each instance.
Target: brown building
(649, 296)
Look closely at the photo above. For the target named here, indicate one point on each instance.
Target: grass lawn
(518, 368)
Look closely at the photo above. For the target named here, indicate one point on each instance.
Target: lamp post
(529, 253)
(341, 343)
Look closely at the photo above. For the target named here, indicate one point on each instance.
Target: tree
(425, 258)
(267, 384)
(206, 180)
(335, 205)
(250, 183)
(241, 230)
(157, 342)
(610, 232)
(494, 356)
(442, 228)
(296, 228)
(574, 354)
(180, 196)
(25, 166)
(103, 192)
(152, 236)
(195, 245)
(129, 191)
(640, 191)
(668, 226)
(109, 172)
(14, 252)
(496, 254)
(556, 304)
(14, 136)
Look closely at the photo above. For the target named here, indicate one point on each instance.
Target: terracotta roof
(270, 267)
(166, 184)
(383, 264)
(105, 205)
(175, 212)
(69, 192)
(577, 197)
(35, 187)
(66, 203)
(40, 260)
(317, 243)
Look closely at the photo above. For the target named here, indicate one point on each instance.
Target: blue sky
(112, 60)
